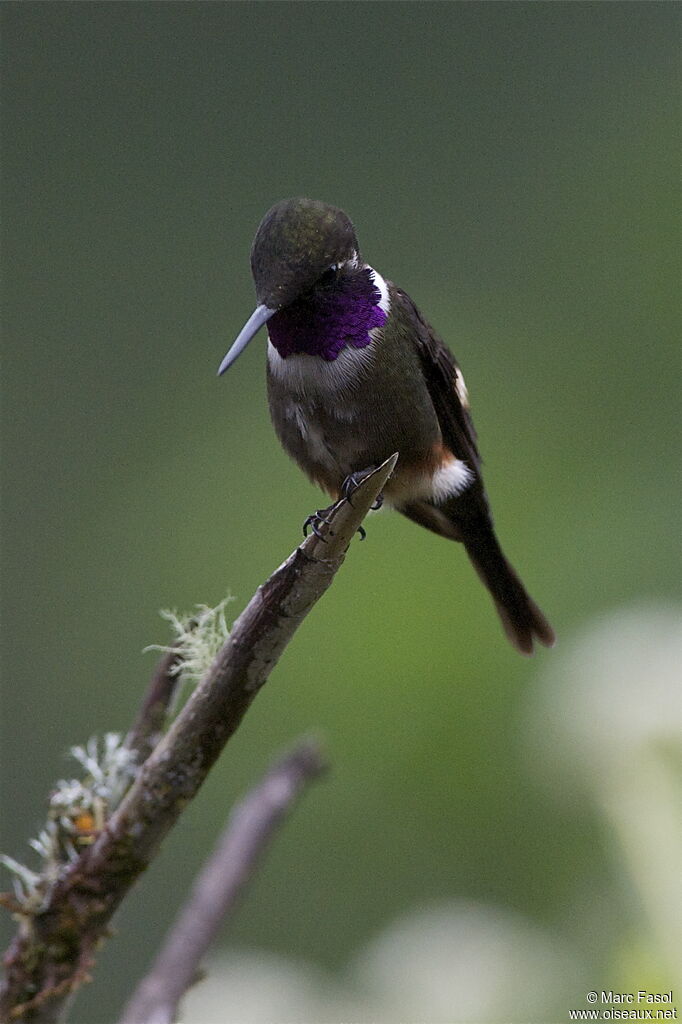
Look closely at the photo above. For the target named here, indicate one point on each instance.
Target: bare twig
(55, 947)
(148, 727)
(251, 826)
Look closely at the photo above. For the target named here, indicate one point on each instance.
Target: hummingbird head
(297, 242)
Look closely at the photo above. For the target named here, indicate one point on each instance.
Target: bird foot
(353, 481)
(320, 518)
(316, 520)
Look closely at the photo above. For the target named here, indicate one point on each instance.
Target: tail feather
(522, 620)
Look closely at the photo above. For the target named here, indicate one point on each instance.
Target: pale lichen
(77, 811)
(198, 638)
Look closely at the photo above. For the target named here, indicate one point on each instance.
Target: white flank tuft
(450, 480)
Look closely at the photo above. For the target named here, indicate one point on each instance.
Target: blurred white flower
(466, 962)
(607, 718)
(451, 963)
(262, 988)
(613, 695)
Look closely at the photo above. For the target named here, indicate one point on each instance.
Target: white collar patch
(379, 282)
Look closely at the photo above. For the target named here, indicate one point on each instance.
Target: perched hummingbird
(356, 373)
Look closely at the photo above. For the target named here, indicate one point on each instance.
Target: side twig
(147, 729)
(251, 826)
(55, 947)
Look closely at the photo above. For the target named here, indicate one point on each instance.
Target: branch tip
(344, 519)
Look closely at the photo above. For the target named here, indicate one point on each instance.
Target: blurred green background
(513, 166)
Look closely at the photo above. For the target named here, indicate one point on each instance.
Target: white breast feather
(309, 375)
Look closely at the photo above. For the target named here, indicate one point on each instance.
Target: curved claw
(348, 486)
(314, 521)
(317, 519)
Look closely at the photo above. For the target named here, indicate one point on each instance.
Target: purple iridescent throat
(330, 318)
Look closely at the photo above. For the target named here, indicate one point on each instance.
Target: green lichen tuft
(198, 638)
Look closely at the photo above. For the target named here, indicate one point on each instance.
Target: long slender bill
(259, 316)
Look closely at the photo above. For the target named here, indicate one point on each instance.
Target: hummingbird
(356, 373)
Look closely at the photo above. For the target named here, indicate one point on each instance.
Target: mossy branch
(55, 947)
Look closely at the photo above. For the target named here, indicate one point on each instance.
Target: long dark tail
(522, 619)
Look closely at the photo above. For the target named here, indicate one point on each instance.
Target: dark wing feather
(440, 369)
(466, 517)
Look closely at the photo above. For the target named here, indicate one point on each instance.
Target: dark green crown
(297, 240)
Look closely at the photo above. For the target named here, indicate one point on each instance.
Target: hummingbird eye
(329, 274)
